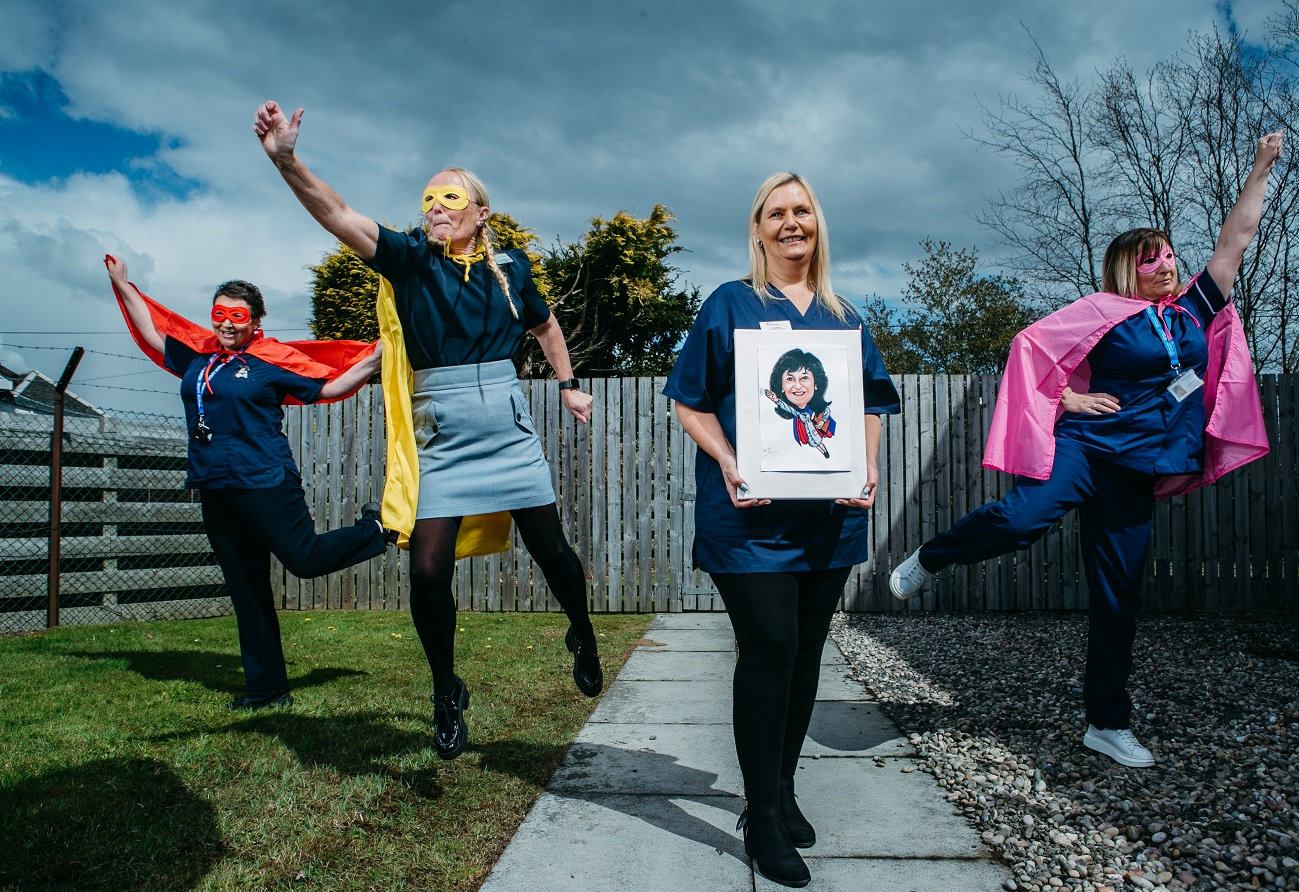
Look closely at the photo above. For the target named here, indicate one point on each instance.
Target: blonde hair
(483, 237)
(1119, 267)
(818, 274)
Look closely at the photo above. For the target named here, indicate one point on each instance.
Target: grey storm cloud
(567, 110)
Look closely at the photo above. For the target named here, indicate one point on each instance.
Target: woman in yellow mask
(461, 309)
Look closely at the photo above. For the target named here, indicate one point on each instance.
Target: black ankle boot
(450, 733)
(767, 844)
(801, 833)
(587, 673)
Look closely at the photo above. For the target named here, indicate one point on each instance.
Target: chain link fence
(130, 542)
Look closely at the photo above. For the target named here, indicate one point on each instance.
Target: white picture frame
(785, 448)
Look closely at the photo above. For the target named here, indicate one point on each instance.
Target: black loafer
(262, 700)
(586, 664)
(374, 511)
(450, 733)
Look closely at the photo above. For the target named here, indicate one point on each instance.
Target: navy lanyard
(1166, 337)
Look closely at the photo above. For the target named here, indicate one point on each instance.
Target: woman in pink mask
(1140, 392)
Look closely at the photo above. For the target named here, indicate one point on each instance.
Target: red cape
(310, 359)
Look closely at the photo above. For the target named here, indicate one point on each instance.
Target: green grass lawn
(122, 768)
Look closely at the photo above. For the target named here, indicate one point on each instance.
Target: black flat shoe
(262, 700)
(801, 832)
(586, 664)
(374, 511)
(450, 733)
(767, 844)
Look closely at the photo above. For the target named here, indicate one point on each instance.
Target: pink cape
(1051, 354)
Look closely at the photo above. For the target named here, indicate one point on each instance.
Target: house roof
(34, 392)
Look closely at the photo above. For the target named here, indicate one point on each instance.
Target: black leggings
(781, 621)
(433, 564)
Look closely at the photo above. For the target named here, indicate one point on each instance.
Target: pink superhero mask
(1152, 262)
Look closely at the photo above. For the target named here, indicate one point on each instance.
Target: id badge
(1185, 384)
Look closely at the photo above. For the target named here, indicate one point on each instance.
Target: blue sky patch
(39, 142)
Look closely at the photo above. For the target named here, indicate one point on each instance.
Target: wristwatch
(569, 384)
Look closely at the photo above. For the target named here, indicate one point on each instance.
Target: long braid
(485, 233)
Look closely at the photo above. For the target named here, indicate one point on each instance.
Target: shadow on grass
(532, 763)
(362, 744)
(215, 670)
(110, 824)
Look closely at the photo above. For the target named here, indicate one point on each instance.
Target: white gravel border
(993, 704)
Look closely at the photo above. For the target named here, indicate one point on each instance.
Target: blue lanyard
(205, 378)
(1166, 337)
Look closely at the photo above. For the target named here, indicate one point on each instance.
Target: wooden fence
(625, 485)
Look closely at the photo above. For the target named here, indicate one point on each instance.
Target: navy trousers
(1115, 509)
(247, 526)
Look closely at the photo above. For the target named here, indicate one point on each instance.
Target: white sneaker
(908, 577)
(1120, 744)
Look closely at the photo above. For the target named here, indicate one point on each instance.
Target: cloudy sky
(125, 128)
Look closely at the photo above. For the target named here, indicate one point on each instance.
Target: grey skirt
(478, 447)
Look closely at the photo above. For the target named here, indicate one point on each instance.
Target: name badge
(776, 326)
(1185, 384)
(503, 258)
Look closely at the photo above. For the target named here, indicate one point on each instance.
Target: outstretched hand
(278, 134)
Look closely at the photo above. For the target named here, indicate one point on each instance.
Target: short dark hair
(249, 293)
(792, 361)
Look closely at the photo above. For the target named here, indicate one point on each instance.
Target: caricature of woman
(800, 376)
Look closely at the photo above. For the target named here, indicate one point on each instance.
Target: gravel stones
(993, 705)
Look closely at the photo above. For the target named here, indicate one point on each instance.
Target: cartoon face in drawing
(800, 377)
(799, 385)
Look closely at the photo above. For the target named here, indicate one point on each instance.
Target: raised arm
(134, 303)
(1241, 225)
(279, 136)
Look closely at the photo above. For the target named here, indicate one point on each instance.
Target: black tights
(781, 621)
(433, 564)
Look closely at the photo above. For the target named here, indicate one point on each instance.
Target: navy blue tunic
(785, 536)
(1152, 432)
(447, 321)
(248, 449)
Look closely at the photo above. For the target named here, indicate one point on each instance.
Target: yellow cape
(479, 533)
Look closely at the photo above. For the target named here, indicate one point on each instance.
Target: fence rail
(135, 547)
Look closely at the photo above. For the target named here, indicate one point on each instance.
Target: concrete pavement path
(648, 795)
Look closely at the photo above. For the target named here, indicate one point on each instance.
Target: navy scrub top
(1152, 432)
(788, 535)
(447, 321)
(248, 449)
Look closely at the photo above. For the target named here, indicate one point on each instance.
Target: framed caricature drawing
(798, 413)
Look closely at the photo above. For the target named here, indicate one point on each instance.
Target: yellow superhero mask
(451, 197)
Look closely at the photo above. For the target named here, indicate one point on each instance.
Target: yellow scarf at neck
(466, 260)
